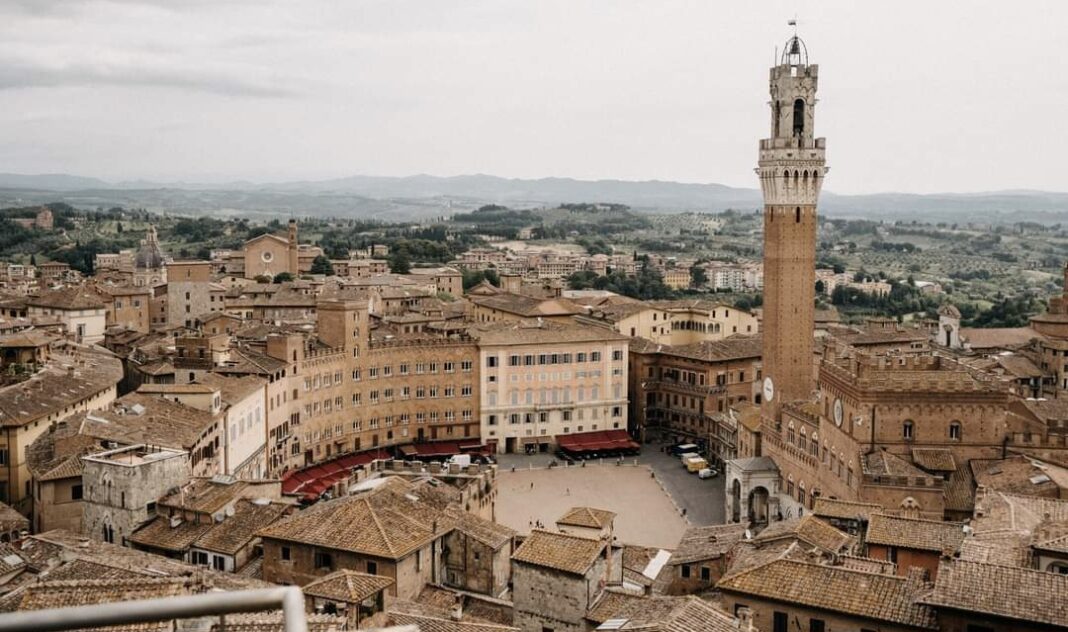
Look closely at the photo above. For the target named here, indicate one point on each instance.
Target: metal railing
(289, 598)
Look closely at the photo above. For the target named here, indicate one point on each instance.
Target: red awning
(314, 480)
(597, 441)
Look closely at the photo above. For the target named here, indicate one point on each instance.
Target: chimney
(745, 619)
(457, 613)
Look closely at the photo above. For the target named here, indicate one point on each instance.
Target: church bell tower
(791, 170)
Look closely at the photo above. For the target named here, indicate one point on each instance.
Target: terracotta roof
(427, 623)
(705, 543)
(527, 306)
(959, 490)
(934, 459)
(883, 463)
(1004, 526)
(733, 348)
(347, 586)
(10, 560)
(1019, 366)
(843, 509)
(674, 614)
(1020, 594)
(616, 604)
(49, 549)
(52, 389)
(1017, 475)
(559, 551)
(11, 519)
(870, 337)
(68, 299)
(533, 332)
(492, 534)
(159, 534)
(588, 517)
(435, 601)
(237, 531)
(274, 621)
(27, 338)
(65, 594)
(914, 533)
(872, 596)
(234, 390)
(205, 495)
(183, 428)
(1004, 337)
(807, 529)
(867, 564)
(382, 523)
(84, 569)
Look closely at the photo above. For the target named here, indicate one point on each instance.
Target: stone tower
(791, 170)
(293, 252)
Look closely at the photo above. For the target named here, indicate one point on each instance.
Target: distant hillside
(50, 181)
(424, 196)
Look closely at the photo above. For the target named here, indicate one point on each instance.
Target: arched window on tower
(797, 215)
(799, 117)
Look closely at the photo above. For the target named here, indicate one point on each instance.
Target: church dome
(149, 256)
(949, 310)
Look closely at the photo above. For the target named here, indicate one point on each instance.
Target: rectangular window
(816, 625)
(286, 554)
(372, 568)
(491, 361)
(76, 492)
(780, 622)
(324, 560)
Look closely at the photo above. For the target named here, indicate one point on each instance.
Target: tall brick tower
(791, 171)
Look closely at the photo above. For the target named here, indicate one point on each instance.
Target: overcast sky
(915, 96)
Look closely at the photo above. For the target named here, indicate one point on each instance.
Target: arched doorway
(736, 501)
(758, 506)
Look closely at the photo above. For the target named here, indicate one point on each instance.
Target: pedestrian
(568, 491)
(532, 484)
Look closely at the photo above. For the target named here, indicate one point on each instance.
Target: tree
(820, 287)
(399, 262)
(33, 260)
(283, 277)
(698, 276)
(322, 265)
(262, 278)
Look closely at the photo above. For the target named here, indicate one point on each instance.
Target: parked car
(707, 473)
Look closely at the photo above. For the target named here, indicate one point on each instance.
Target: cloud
(16, 74)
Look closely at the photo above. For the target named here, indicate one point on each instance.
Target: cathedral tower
(791, 170)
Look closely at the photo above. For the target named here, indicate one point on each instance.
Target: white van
(706, 473)
(463, 460)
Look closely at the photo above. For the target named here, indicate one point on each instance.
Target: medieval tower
(791, 170)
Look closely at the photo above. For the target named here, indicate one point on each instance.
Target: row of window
(388, 421)
(421, 368)
(543, 416)
(908, 430)
(553, 358)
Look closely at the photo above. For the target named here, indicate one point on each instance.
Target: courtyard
(645, 514)
(649, 494)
